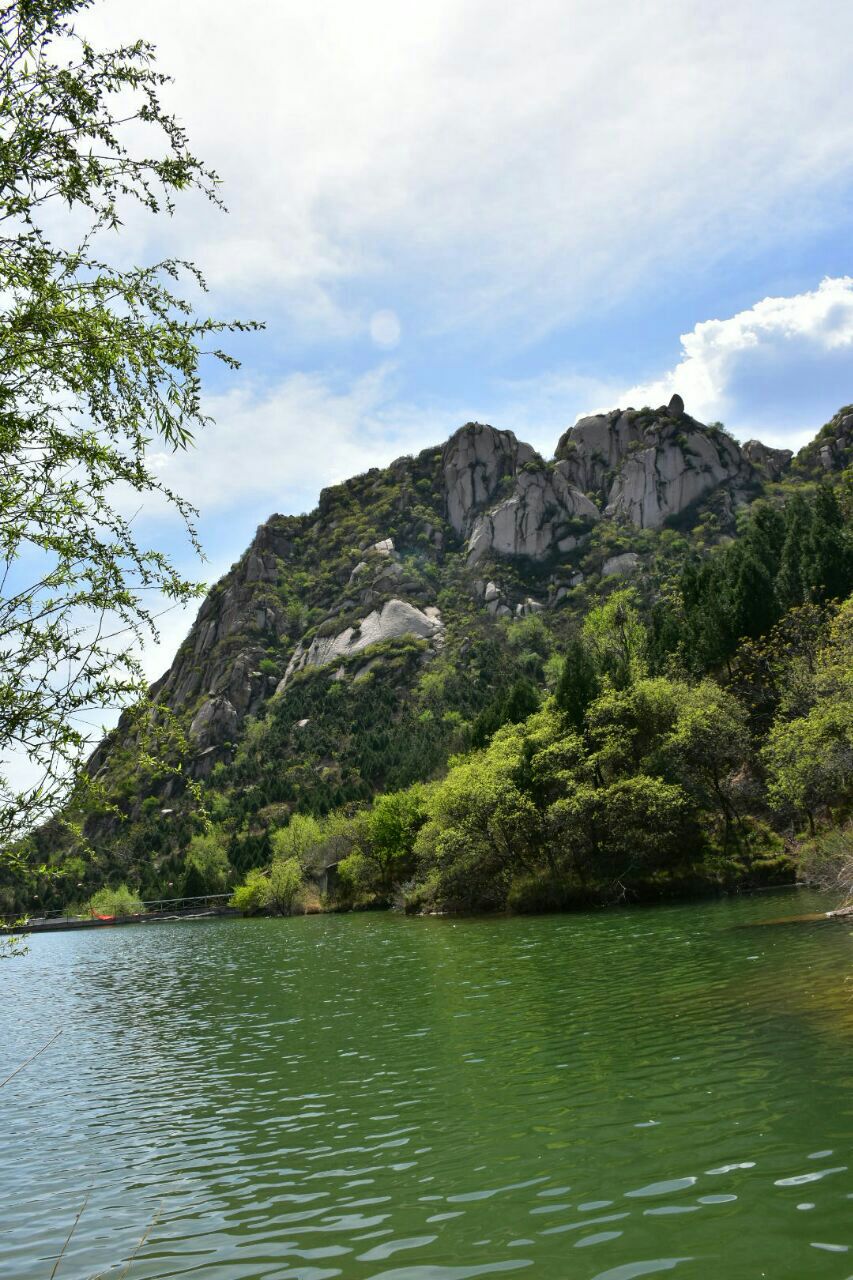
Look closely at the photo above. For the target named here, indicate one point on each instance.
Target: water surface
(587, 1097)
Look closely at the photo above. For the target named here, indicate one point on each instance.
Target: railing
(183, 905)
(151, 907)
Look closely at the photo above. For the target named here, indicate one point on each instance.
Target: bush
(120, 901)
(278, 891)
(285, 886)
(827, 861)
(251, 896)
(207, 866)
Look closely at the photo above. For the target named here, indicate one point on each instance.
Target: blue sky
(514, 214)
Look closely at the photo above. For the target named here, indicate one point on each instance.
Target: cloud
(500, 164)
(778, 369)
(385, 328)
(273, 448)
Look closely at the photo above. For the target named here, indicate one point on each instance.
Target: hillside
(354, 650)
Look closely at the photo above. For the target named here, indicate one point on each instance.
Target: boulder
(395, 618)
(620, 566)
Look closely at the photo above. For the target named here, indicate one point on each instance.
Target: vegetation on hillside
(681, 733)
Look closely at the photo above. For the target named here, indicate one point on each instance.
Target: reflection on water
(591, 1097)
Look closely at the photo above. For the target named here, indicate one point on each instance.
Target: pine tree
(578, 684)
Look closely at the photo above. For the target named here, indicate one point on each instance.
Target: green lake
(584, 1097)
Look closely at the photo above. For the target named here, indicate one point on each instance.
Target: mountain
(366, 566)
(354, 650)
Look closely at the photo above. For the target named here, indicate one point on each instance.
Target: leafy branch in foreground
(97, 364)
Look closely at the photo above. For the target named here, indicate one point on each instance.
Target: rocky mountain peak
(832, 448)
(648, 465)
(475, 461)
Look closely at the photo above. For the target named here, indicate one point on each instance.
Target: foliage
(251, 896)
(276, 892)
(615, 638)
(119, 901)
(826, 860)
(98, 364)
(809, 756)
(578, 681)
(206, 868)
(299, 841)
(285, 885)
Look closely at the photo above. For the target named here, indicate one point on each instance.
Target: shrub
(827, 861)
(278, 891)
(285, 886)
(120, 901)
(251, 896)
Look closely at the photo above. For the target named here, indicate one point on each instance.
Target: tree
(616, 639)
(207, 867)
(809, 757)
(276, 891)
(578, 683)
(392, 827)
(708, 743)
(99, 365)
(614, 834)
(285, 885)
(299, 840)
(251, 896)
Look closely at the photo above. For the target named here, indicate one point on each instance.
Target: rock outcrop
(534, 519)
(649, 466)
(395, 618)
(832, 448)
(772, 463)
(476, 460)
(501, 494)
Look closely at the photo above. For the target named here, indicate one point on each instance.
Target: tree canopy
(98, 363)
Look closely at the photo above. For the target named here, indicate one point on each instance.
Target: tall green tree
(578, 683)
(99, 364)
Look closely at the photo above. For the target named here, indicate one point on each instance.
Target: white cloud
(385, 328)
(778, 369)
(274, 448)
(499, 159)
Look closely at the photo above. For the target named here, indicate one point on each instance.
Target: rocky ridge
(485, 494)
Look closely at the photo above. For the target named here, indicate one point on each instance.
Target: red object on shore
(99, 917)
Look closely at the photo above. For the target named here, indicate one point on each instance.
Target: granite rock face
(531, 522)
(501, 494)
(649, 466)
(773, 463)
(395, 618)
(475, 461)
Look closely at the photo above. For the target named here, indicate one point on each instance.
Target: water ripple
(375, 1098)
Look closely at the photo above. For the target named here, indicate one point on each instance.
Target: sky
(510, 214)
